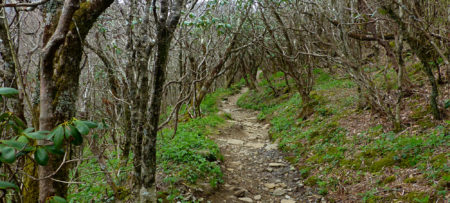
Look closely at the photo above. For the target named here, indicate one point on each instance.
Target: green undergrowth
(188, 158)
(191, 157)
(90, 182)
(328, 156)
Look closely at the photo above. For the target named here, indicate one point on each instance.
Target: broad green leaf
(39, 135)
(81, 127)
(15, 144)
(23, 139)
(8, 155)
(58, 137)
(67, 132)
(54, 150)
(90, 124)
(7, 91)
(41, 156)
(28, 130)
(8, 185)
(57, 199)
(77, 138)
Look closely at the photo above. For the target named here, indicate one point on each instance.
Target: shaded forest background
(101, 97)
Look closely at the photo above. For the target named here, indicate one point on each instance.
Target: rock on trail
(254, 170)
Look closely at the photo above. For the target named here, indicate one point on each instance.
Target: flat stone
(228, 111)
(235, 142)
(287, 201)
(269, 185)
(271, 147)
(279, 192)
(255, 145)
(257, 197)
(236, 163)
(283, 185)
(276, 164)
(239, 193)
(253, 137)
(246, 199)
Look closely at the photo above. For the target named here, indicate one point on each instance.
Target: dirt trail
(254, 170)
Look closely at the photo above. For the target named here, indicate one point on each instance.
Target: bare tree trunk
(398, 122)
(426, 53)
(60, 73)
(30, 191)
(166, 25)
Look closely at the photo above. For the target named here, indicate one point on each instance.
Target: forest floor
(254, 170)
(251, 146)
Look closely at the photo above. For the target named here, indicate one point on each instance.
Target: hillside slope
(351, 155)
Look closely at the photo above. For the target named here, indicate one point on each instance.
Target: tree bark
(166, 25)
(30, 191)
(60, 71)
(425, 51)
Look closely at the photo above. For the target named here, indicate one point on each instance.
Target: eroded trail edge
(254, 170)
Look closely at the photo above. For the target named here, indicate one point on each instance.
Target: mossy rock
(315, 159)
(418, 197)
(291, 159)
(384, 162)
(410, 180)
(439, 161)
(311, 181)
(426, 123)
(369, 153)
(351, 164)
(389, 179)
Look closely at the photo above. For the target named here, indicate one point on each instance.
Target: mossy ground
(347, 154)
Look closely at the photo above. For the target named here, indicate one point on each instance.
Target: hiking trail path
(254, 170)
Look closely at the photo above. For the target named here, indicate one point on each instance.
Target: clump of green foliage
(320, 142)
(21, 142)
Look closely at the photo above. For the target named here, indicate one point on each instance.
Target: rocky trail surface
(254, 170)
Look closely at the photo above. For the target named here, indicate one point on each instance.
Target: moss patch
(388, 179)
(311, 181)
(382, 163)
